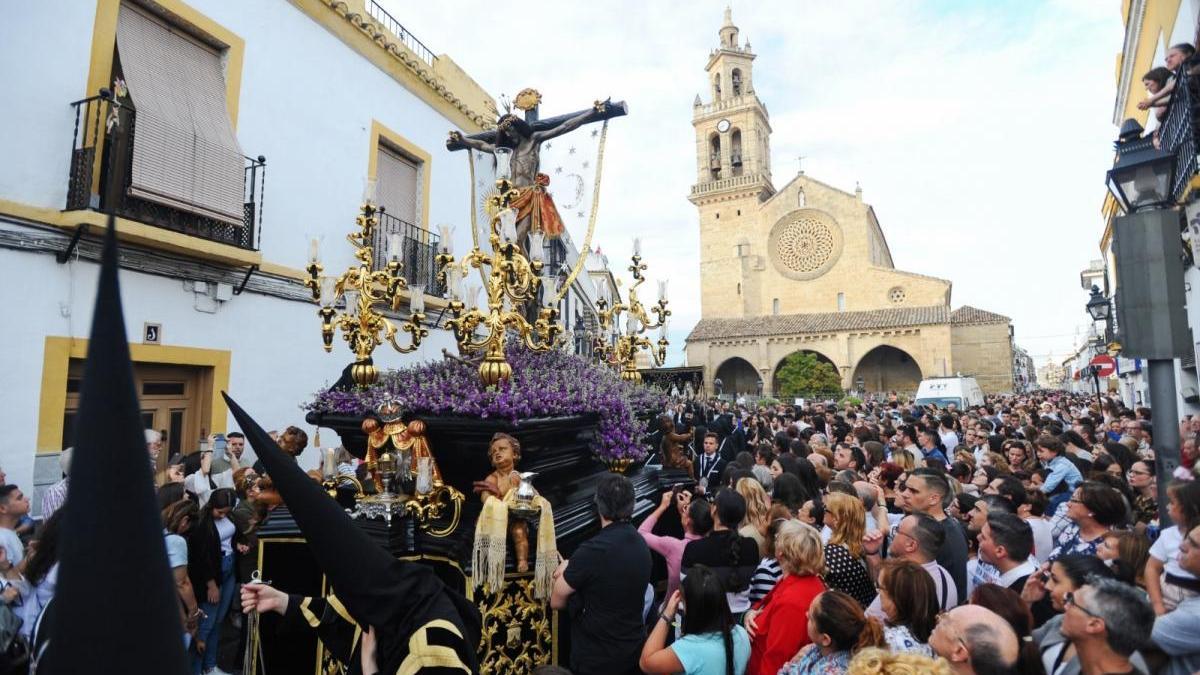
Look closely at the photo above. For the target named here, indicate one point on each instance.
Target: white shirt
(225, 530)
(16, 550)
(950, 440)
(198, 483)
(942, 582)
(1024, 569)
(1043, 538)
(1166, 551)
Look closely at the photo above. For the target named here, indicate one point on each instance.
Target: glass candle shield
(446, 236)
(503, 163)
(424, 475)
(328, 289)
(417, 298)
(508, 225)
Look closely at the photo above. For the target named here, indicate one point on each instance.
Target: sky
(979, 131)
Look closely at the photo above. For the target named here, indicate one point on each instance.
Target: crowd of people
(211, 508)
(1020, 536)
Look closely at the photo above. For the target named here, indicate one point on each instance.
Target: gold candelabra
(511, 283)
(621, 349)
(362, 325)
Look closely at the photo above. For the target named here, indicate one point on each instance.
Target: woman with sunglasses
(1093, 509)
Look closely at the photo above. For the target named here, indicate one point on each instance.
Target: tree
(805, 374)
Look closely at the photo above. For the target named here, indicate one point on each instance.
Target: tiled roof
(970, 315)
(827, 322)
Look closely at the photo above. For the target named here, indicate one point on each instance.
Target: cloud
(979, 131)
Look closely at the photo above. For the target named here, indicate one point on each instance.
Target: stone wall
(985, 351)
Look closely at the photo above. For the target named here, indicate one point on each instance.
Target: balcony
(1177, 134)
(396, 28)
(98, 131)
(419, 246)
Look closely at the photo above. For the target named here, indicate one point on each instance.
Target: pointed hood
(116, 605)
(375, 588)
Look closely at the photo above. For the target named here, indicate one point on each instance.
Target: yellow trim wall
(379, 132)
(56, 360)
(444, 87)
(135, 232)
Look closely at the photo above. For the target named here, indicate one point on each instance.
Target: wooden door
(172, 402)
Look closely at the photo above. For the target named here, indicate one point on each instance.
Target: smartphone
(219, 446)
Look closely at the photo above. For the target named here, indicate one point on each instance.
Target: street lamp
(1145, 243)
(1098, 305)
(1143, 176)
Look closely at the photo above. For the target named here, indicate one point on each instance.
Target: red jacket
(782, 627)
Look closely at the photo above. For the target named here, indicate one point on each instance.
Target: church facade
(806, 267)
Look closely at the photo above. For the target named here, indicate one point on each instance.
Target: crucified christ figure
(535, 207)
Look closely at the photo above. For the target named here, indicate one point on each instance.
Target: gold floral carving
(517, 635)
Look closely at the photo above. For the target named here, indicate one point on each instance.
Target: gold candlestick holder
(620, 348)
(511, 282)
(364, 289)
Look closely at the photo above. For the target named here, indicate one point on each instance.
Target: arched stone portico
(886, 357)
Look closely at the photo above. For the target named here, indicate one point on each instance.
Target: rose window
(896, 295)
(805, 244)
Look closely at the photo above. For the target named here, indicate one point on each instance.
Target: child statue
(504, 451)
(500, 491)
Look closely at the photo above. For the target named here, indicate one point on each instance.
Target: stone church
(806, 267)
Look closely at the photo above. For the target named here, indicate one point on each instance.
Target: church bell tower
(733, 174)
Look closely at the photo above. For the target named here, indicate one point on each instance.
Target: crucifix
(800, 163)
(535, 208)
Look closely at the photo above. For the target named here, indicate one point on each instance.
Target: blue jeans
(210, 626)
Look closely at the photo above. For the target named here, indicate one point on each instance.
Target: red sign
(1105, 365)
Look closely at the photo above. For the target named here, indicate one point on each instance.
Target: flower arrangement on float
(543, 385)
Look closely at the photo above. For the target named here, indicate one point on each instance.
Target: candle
(454, 281)
(637, 246)
(551, 297)
(446, 233)
(662, 332)
(417, 298)
(314, 251)
(370, 187)
(329, 469)
(662, 290)
(395, 246)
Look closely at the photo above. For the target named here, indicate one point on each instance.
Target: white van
(963, 392)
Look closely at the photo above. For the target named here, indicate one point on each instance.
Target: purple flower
(544, 384)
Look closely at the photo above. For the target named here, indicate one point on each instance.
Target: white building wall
(307, 103)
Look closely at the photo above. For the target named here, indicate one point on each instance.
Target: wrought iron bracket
(245, 280)
(65, 255)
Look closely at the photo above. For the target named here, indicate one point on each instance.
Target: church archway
(886, 368)
(737, 376)
(819, 355)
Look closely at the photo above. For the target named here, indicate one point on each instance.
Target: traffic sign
(1105, 365)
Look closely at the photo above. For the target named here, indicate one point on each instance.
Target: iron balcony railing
(95, 131)
(1178, 131)
(419, 248)
(396, 28)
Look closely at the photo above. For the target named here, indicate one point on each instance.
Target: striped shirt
(765, 577)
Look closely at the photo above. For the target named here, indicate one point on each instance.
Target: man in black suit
(709, 464)
(1006, 542)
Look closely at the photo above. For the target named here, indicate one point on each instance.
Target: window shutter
(185, 152)
(396, 183)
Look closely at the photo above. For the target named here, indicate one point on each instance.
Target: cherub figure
(504, 451)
